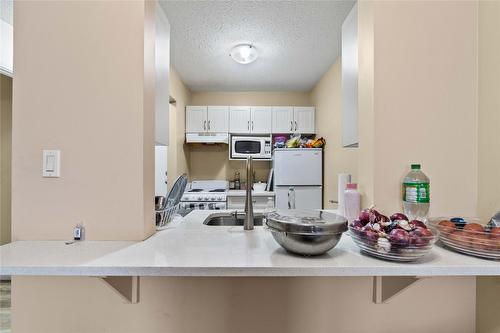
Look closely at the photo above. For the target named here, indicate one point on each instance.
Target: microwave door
(247, 147)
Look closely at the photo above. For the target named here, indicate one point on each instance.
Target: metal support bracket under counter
(387, 287)
(128, 287)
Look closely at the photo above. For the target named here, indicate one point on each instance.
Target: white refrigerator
(298, 178)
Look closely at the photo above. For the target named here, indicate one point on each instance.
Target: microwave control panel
(267, 147)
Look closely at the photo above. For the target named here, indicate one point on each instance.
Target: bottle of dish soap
(416, 195)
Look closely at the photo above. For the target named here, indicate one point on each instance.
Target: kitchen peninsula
(190, 248)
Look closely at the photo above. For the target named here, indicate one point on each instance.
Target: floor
(4, 306)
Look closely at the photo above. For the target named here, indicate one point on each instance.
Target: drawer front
(258, 202)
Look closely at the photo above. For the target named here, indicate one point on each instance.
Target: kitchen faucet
(248, 223)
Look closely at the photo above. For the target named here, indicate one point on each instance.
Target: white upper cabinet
(250, 119)
(288, 119)
(239, 119)
(304, 120)
(283, 119)
(350, 79)
(261, 119)
(217, 119)
(196, 119)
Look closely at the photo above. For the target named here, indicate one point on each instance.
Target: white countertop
(189, 248)
(242, 193)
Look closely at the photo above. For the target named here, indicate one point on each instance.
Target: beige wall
(489, 108)
(488, 289)
(327, 97)
(84, 84)
(425, 103)
(258, 98)
(178, 153)
(212, 161)
(243, 305)
(5, 157)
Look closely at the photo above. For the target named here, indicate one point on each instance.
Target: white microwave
(259, 147)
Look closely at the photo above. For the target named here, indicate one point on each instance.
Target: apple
(446, 227)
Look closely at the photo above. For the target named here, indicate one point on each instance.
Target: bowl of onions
(393, 238)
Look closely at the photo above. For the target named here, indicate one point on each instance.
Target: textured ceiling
(297, 42)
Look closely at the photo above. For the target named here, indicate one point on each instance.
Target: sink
(229, 220)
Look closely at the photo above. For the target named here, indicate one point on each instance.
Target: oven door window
(247, 147)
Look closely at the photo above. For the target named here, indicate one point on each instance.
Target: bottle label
(416, 192)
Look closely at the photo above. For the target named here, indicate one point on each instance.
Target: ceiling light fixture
(244, 53)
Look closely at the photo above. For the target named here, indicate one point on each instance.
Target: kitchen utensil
(483, 244)
(306, 232)
(175, 194)
(495, 220)
(259, 187)
(171, 204)
(160, 202)
(383, 249)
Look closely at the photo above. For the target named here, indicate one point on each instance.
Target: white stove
(206, 194)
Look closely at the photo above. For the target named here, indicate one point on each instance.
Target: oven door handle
(291, 198)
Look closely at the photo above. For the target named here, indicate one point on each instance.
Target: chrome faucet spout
(248, 223)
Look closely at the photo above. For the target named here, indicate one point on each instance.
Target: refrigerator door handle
(291, 198)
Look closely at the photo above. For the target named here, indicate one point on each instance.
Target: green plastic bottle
(416, 194)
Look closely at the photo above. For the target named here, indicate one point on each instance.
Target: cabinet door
(350, 79)
(283, 119)
(261, 119)
(218, 119)
(162, 57)
(239, 119)
(196, 118)
(304, 120)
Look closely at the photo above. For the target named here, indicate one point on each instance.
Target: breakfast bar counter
(187, 247)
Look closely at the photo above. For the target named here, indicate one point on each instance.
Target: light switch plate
(51, 163)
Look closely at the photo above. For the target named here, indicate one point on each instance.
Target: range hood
(207, 138)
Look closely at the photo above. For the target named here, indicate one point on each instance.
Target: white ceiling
(297, 42)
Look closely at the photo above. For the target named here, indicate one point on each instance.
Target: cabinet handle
(209, 125)
(248, 125)
(252, 125)
(291, 125)
(205, 125)
(295, 125)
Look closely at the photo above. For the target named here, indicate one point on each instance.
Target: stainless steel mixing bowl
(308, 245)
(306, 232)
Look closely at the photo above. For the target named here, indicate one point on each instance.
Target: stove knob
(200, 198)
(219, 198)
(206, 198)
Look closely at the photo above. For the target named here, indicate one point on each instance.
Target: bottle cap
(352, 186)
(415, 166)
